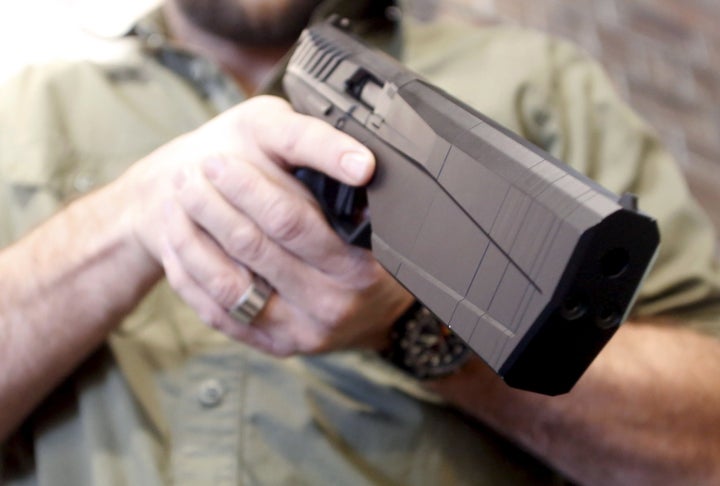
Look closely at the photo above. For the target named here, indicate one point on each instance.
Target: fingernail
(357, 165)
(214, 167)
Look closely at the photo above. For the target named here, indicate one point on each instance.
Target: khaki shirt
(171, 401)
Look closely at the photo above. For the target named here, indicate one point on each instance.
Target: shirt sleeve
(599, 134)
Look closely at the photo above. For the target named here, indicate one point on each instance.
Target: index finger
(303, 141)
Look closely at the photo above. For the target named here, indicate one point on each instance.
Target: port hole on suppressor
(614, 262)
(607, 318)
(572, 309)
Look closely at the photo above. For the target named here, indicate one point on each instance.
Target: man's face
(254, 22)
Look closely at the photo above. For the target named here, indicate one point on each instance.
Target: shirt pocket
(38, 180)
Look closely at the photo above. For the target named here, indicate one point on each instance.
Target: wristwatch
(423, 346)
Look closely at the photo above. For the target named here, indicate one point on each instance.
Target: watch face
(425, 347)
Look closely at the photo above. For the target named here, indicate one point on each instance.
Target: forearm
(646, 412)
(63, 288)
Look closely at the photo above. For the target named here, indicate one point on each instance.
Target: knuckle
(178, 281)
(181, 239)
(331, 310)
(249, 181)
(284, 351)
(214, 318)
(318, 342)
(358, 270)
(257, 108)
(194, 205)
(247, 243)
(285, 222)
(294, 135)
(303, 134)
(289, 143)
(371, 272)
(267, 101)
(224, 289)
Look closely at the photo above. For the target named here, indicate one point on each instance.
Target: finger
(222, 279)
(284, 217)
(230, 237)
(280, 329)
(303, 141)
(274, 330)
(208, 310)
(295, 280)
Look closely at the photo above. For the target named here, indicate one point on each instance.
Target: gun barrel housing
(533, 264)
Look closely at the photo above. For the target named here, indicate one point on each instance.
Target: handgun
(531, 263)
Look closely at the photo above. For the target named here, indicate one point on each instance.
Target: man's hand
(208, 209)
(221, 203)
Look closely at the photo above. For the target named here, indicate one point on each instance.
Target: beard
(250, 22)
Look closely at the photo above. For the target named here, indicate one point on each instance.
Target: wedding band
(252, 301)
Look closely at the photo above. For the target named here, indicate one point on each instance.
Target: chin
(250, 22)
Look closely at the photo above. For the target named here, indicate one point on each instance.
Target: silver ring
(252, 301)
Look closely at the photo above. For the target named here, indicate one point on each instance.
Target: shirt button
(198, 70)
(155, 40)
(211, 393)
(83, 182)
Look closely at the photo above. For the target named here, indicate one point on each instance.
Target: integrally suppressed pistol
(531, 263)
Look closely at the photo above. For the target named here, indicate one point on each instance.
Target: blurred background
(36, 31)
(663, 55)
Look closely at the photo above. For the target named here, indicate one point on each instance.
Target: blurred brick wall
(664, 56)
